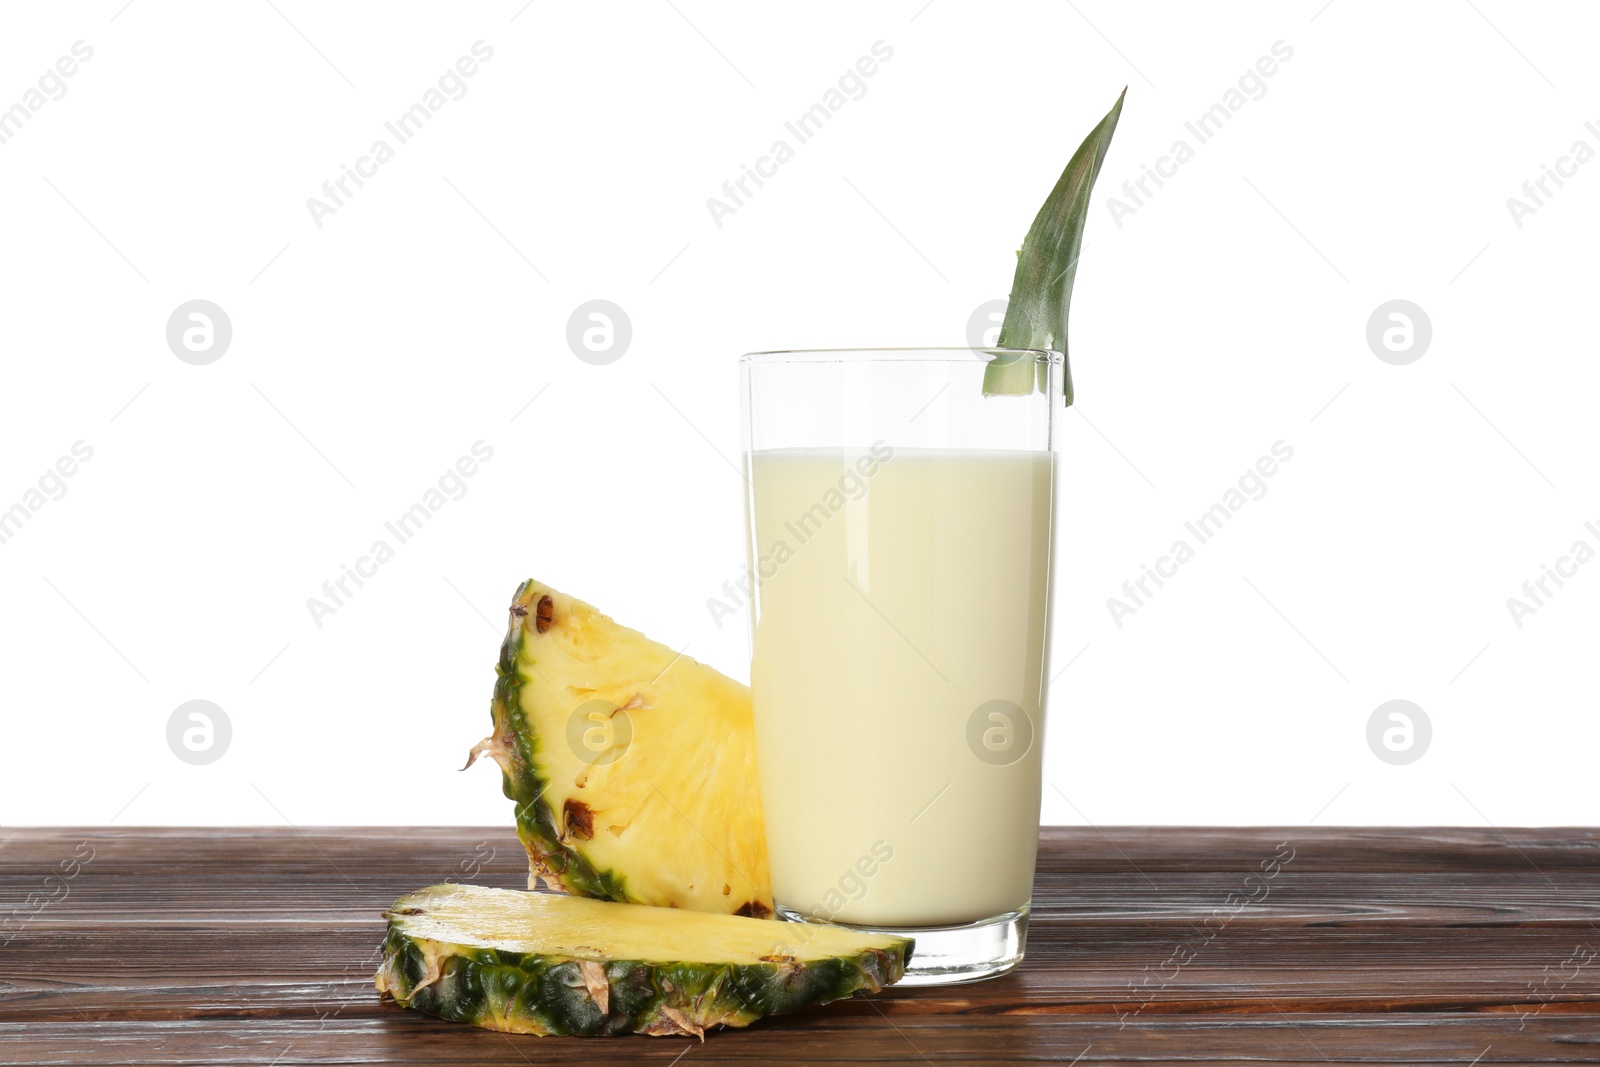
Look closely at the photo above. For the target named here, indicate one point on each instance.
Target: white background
(1227, 313)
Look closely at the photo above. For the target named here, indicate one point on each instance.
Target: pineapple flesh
(539, 963)
(633, 767)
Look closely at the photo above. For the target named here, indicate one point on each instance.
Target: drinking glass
(899, 549)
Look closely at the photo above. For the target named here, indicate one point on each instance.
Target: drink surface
(902, 613)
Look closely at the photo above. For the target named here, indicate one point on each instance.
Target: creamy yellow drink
(898, 676)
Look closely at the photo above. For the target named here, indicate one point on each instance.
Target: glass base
(945, 955)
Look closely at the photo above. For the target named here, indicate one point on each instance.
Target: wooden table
(1165, 945)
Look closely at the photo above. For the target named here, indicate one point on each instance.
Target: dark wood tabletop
(1148, 945)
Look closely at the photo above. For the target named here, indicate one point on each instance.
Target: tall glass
(900, 527)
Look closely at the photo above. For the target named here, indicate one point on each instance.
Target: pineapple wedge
(633, 767)
(538, 963)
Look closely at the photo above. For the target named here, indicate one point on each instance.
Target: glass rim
(930, 354)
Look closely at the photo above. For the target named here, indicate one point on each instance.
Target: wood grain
(1148, 945)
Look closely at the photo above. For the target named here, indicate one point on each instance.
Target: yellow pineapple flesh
(633, 767)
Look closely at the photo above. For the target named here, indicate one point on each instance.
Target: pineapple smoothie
(903, 597)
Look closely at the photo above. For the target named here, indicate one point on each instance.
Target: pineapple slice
(537, 963)
(633, 767)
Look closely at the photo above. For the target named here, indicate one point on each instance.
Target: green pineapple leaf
(1041, 290)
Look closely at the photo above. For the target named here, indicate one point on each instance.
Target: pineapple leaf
(1041, 290)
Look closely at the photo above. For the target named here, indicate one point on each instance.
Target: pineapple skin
(549, 858)
(527, 993)
(514, 747)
